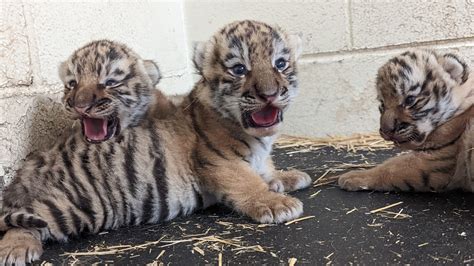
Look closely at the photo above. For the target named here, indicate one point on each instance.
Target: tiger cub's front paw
(275, 208)
(356, 180)
(19, 248)
(289, 181)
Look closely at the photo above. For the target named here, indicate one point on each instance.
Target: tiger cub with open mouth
(138, 165)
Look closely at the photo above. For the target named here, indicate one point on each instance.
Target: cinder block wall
(344, 44)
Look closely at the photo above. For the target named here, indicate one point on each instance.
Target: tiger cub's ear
(198, 55)
(153, 71)
(63, 71)
(455, 66)
(296, 44)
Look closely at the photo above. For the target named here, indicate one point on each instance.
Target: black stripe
(58, 217)
(237, 137)
(104, 179)
(147, 206)
(203, 135)
(198, 160)
(409, 186)
(69, 195)
(129, 164)
(425, 179)
(160, 177)
(20, 219)
(29, 221)
(8, 220)
(36, 222)
(76, 221)
(85, 203)
(125, 206)
(428, 78)
(85, 167)
(236, 152)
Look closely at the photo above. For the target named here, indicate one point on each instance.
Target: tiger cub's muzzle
(98, 122)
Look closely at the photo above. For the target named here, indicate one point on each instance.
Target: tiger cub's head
(108, 87)
(418, 91)
(249, 69)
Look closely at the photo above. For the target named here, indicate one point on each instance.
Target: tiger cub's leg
(286, 181)
(409, 172)
(240, 187)
(20, 245)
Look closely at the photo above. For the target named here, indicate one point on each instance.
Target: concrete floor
(430, 228)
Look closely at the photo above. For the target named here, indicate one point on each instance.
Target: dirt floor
(422, 229)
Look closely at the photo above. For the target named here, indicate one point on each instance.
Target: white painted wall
(345, 41)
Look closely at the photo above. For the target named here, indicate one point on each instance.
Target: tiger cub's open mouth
(265, 117)
(97, 130)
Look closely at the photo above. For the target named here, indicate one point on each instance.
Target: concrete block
(15, 67)
(383, 23)
(154, 30)
(321, 23)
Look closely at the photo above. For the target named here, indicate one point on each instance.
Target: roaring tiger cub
(425, 104)
(114, 90)
(214, 147)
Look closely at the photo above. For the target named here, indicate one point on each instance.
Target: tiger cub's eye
(409, 101)
(72, 83)
(238, 70)
(281, 64)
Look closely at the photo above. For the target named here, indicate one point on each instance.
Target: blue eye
(409, 101)
(239, 70)
(110, 83)
(281, 64)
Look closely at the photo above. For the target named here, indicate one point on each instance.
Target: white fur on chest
(260, 153)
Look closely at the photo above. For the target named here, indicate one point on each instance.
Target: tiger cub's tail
(21, 219)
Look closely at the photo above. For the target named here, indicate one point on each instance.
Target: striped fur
(426, 101)
(171, 161)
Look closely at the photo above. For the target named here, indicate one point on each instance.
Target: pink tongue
(95, 129)
(266, 116)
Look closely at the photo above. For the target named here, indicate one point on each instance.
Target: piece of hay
(199, 250)
(292, 261)
(358, 142)
(386, 207)
(300, 219)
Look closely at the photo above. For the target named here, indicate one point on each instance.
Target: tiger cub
(426, 106)
(115, 90)
(214, 147)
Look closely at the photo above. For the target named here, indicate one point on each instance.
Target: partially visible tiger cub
(215, 146)
(426, 106)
